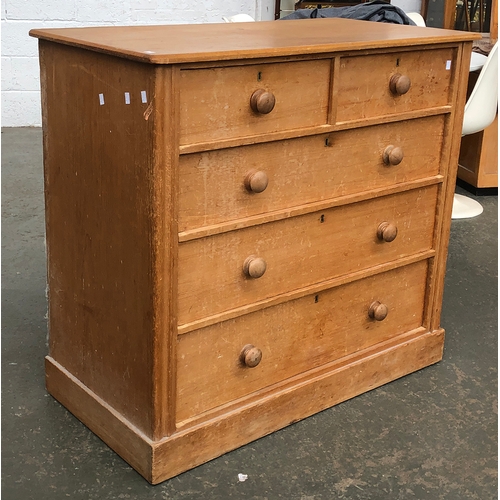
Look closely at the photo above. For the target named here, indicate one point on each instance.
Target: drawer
(215, 103)
(294, 337)
(216, 186)
(429, 72)
(299, 251)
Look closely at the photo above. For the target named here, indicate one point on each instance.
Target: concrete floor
(430, 435)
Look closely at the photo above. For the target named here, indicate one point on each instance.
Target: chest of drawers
(246, 224)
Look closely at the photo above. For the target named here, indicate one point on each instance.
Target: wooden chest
(246, 223)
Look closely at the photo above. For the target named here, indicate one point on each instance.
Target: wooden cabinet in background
(478, 161)
(246, 223)
(478, 158)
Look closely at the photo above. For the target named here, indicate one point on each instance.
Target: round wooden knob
(378, 311)
(262, 101)
(393, 155)
(387, 232)
(254, 267)
(250, 355)
(256, 181)
(399, 84)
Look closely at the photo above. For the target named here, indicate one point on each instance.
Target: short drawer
(215, 103)
(294, 337)
(235, 183)
(365, 83)
(221, 272)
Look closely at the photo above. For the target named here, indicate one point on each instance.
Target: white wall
(20, 72)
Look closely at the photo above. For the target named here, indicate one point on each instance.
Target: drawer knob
(250, 356)
(256, 181)
(254, 267)
(393, 155)
(262, 101)
(378, 311)
(387, 232)
(399, 84)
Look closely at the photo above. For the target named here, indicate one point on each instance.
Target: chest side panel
(98, 143)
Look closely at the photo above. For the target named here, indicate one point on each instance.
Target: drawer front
(225, 185)
(299, 251)
(294, 337)
(430, 73)
(215, 103)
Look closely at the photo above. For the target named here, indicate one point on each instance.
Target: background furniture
(238, 18)
(478, 160)
(417, 18)
(480, 113)
(224, 258)
(472, 15)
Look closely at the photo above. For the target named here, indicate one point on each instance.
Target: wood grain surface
(170, 44)
(304, 170)
(430, 72)
(245, 224)
(294, 337)
(300, 251)
(215, 102)
(99, 178)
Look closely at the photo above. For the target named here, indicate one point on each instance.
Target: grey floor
(430, 435)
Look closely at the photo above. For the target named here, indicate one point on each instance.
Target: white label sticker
(144, 97)
(101, 99)
(127, 98)
(448, 65)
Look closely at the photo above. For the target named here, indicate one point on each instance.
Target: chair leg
(467, 15)
(481, 15)
(277, 9)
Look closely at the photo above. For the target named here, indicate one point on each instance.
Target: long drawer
(428, 72)
(215, 103)
(294, 337)
(235, 183)
(221, 272)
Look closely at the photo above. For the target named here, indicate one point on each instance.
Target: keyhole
(316, 298)
(397, 61)
(259, 76)
(322, 218)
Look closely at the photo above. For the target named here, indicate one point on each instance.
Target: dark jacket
(376, 10)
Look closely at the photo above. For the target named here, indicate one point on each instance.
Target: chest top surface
(171, 44)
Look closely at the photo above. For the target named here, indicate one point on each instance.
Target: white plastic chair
(480, 111)
(416, 18)
(481, 107)
(238, 18)
(477, 61)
